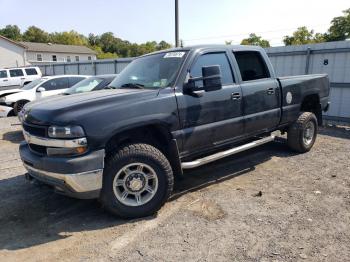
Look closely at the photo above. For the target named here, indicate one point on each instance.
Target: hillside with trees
(107, 45)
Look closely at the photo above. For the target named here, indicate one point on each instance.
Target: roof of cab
(212, 46)
(58, 76)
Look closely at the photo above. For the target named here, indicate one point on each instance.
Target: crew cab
(166, 112)
(39, 88)
(17, 77)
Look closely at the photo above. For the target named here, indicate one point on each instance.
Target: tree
(254, 39)
(69, 38)
(93, 39)
(303, 36)
(12, 32)
(340, 28)
(35, 34)
(107, 42)
(228, 42)
(163, 45)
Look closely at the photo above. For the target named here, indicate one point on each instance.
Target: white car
(13, 77)
(43, 87)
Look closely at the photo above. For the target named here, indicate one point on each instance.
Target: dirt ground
(215, 214)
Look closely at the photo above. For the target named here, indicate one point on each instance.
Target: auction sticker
(174, 54)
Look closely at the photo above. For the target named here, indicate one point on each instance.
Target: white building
(16, 54)
(12, 54)
(38, 53)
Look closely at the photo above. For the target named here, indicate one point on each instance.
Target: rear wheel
(137, 181)
(18, 106)
(302, 134)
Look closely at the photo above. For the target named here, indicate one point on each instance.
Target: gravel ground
(266, 204)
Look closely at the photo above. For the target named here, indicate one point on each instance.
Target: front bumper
(5, 111)
(79, 177)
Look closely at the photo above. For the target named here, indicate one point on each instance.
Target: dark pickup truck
(167, 111)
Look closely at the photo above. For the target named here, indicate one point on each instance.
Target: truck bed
(294, 89)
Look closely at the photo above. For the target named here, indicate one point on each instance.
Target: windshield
(150, 72)
(33, 84)
(86, 85)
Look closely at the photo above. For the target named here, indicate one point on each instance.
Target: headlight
(2, 99)
(66, 132)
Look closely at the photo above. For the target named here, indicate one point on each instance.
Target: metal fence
(97, 67)
(332, 58)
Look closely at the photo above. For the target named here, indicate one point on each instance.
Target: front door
(16, 77)
(214, 117)
(53, 87)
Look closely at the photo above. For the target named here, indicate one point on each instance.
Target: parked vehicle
(17, 77)
(170, 110)
(92, 83)
(39, 88)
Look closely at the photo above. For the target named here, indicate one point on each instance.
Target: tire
(18, 106)
(132, 169)
(302, 133)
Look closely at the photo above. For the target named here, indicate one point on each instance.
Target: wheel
(137, 181)
(302, 134)
(18, 106)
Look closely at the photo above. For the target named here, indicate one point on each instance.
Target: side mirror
(40, 89)
(211, 77)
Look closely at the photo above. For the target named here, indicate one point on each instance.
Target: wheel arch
(156, 134)
(311, 103)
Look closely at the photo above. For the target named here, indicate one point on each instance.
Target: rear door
(53, 87)
(261, 93)
(4, 80)
(16, 77)
(214, 117)
(31, 73)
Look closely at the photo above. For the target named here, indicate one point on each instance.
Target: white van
(16, 77)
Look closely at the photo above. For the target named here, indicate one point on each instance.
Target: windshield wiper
(133, 85)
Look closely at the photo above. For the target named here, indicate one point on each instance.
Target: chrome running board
(229, 152)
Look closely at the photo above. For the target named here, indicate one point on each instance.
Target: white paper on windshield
(174, 54)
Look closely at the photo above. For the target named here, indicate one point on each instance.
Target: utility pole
(177, 42)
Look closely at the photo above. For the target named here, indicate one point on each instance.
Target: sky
(201, 21)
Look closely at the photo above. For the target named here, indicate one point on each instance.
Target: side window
(209, 60)
(31, 71)
(16, 72)
(251, 65)
(56, 84)
(74, 80)
(3, 74)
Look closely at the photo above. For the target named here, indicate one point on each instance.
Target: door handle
(270, 91)
(235, 96)
(22, 78)
(5, 80)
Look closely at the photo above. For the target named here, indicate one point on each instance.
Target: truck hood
(9, 92)
(63, 109)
